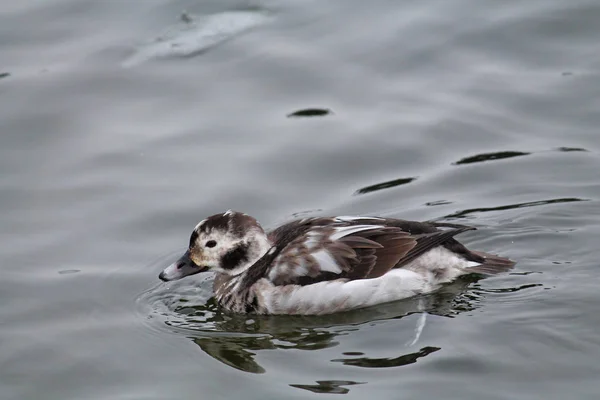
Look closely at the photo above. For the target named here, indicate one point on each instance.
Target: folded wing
(328, 252)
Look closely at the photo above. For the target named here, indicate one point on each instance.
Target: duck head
(228, 243)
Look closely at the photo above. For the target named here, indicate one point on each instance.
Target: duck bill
(181, 268)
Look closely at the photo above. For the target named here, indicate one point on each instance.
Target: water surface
(475, 112)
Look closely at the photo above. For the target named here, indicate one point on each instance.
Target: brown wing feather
(366, 254)
(428, 241)
(492, 264)
(394, 249)
(391, 243)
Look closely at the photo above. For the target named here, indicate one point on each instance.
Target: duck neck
(257, 249)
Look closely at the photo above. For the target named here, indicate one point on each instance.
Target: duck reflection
(235, 339)
(332, 387)
(405, 359)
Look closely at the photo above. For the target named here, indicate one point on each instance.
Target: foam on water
(194, 35)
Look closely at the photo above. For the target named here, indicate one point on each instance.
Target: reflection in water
(68, 271)
(384, 185)
(235, 351)
(406, 359)
(310, 112)
(330, 387)
(569, 149)
(511, 290)
(490, 156)
(236, 339)
(464, 213)
(437, 203)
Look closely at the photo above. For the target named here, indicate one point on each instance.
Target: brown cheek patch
(235, 256)
(196, 256)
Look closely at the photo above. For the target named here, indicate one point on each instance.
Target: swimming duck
(323, 265)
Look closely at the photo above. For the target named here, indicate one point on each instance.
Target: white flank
(349, 230)
(326, 262)
(440, 259)
(340, 295)
(423, 275)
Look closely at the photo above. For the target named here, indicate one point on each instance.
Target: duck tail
(492, 264)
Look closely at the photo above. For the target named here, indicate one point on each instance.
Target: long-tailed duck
(324, 265)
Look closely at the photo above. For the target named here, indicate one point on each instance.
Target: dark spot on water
(525, 273)
(310, 112)
(4, 75)
(69, 271)
(567, 73)
(490, 157)
(513, 289)
(406, 359)
(353, 353)
(331, 387)
(570, 149)
(384, 185)
(561, 262)
(438, 203)
(186, 17)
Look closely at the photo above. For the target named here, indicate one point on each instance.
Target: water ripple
(235, 339)
(387, 362)
(385, 185)
(500, 155)
(468, 212)
(328, 386)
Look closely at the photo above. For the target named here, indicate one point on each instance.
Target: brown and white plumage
(326, 264)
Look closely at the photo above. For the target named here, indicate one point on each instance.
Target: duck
(325, 265)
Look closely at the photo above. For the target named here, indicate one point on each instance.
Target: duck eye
(211, 243)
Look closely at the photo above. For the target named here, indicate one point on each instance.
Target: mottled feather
(329, 264)
(357, 251)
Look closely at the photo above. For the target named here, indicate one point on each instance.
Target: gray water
(470, 111)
